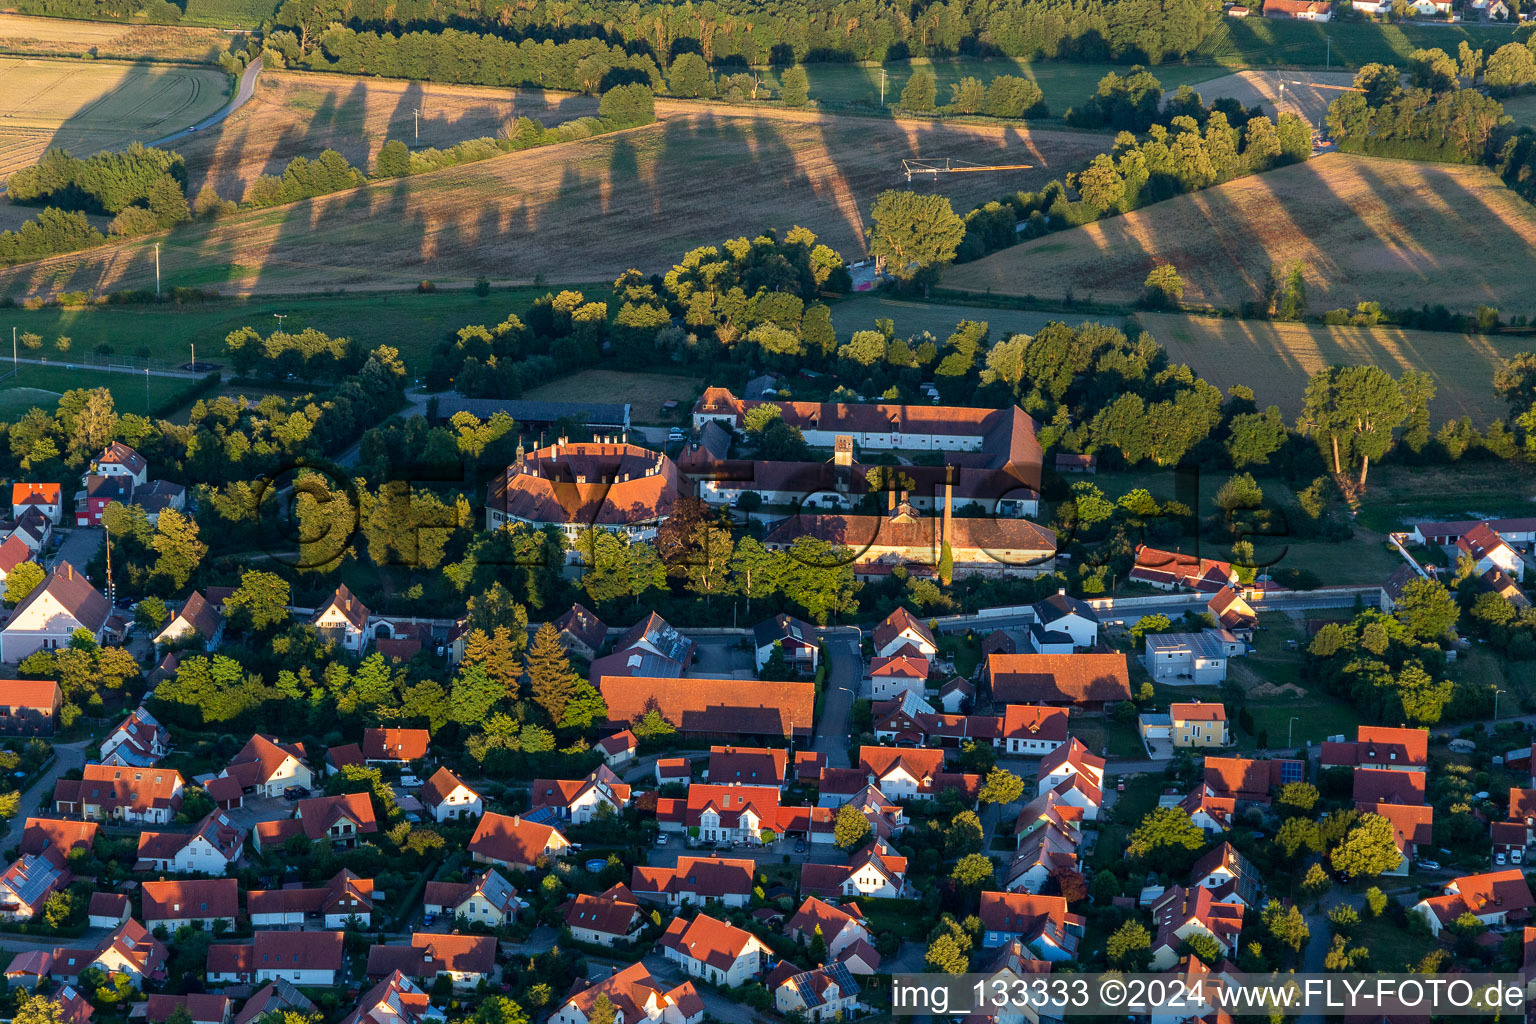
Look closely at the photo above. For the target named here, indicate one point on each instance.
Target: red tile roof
(1030, 721)
(109, 786)
(612, 913)
(196, 899)
(1373, 786)
(919, 763)
(1197, 711)
(39, 834)
(36, 494)
(1058, 678)
(710, 941)
(722, 706)
(513, 841)
(1241, 778)
(702, 877)
(586, 483)
(1410, 823)
(395, 744)
(1494, 892)
(901, 665)
(431, 953)
(897, 623)
(747, 766)
(442, 783)
(582, 624)
(32, 694)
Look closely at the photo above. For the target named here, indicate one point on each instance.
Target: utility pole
(157, 271)
(882, 87)
(1328, 54)
(280, 318)
(417, 112)
(146, 391)
(110, 593)
(14, 367)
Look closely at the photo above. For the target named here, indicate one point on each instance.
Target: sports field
(1275, 359)
(1396, 232)
(41, 386)
(86, 106)
(20, 33)
(578, 211)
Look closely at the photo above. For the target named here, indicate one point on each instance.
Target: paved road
(845, 669)
(415, 405)
(243, 93)
(65, 757)
(79, 545)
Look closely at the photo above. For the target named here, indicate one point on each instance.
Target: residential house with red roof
(636, 997)
(201, 1008)
(1033, 730)
(1250, 781)
(1174, 570)
(826, 993)
(515, 843)
(1378, 787)
(652, 647)
(108, 909)
(1488, 550)
(1413, 827)
(396, 999)
(447, 798)
(912, 722)
(605, 484)
(1211, 814)
(26, 885)
(142, 796)
(487, 899)
(1042, 923)
(130, 951)
(582, 633)
(1084, 680)
(138, 741)
(74, 1008)
(1198, 724)
(209, 849)
(695, 880)
(1233, 614)
(1229, 875)
(274, 997)
(903, 634)
(748, 766)
(605, 919)
(876, 871)
(29, 707)
(341, 820)
(1180, 913)
(1382, 747)
(395, 746)
(344, 619)
(301, 958)
(714, 708)
(28, 969)
(903, 773)
(1497, 899)
(46, 498)
(1045, 850)
(1076, 774)
(619, 749)
(204, 902)
(333, 904)
(197, 616)
(32, 530)
(890, 678)
(266, 766)
(840, 927)
(796, 638)
(14, 550)
(582, 800)
(47, 618)
(464, 959)
(713, 950)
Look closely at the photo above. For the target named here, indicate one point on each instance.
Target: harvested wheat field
(1393, 231)
(86, 106)
(576, 212)
(1306, 93)
(1275, 359)
(296, 114)
(20, 33)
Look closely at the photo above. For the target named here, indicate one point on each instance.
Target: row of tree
(1432, 119)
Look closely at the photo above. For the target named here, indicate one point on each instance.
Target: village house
(340, 820)
(605, 919)
(1497, 899)
(1229, 875)
(1174, 570)
(141, 796)
(202, 902)
(487, 899)
(14, 550)
(200, 1007)
(724, 813)
(713, 950)
(581, 632)
(1032, 730)
(465, 960)
(1300, 10)
(1060, 615)
(1211, 814)
(1249, 781)
(447, 798)
(130, 951)
(26, 885)
(199, 616)
(651, 647)
(1042, 923)
(395, 746)
(826, 993)
(1043, 851)
(722, 709)
(1180, 913)
(29, 707)
(695, 880)
(912, 722)
(796, 638)
(1233, 614)
(1083, 680)
(514, 843)
(273, 998)
(619, 749)
(636, 997)
(582, 800)
(334, 904)
(673, 771)
(32, 533)
(1198, 724)
(1076, 774)
(877, 871)
(839, 927)
(266, 766)
(890, 678)
(748, 766)
(1191, 658)
(902, 633)
(394, 1000)
(344, 619)
(47, 618)
(108, 910)
(1377, 787)
(301, 958)
(46, 498)
(1488, 551)
(138, 741)
(211, 847)
(1378, 746)
(1413, 827)
(903, 773)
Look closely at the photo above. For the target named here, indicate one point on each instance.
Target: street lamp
(1289, 730)
(1496, 693)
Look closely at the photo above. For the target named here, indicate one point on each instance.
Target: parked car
(429, 919)
(800, 846)
(1499, 858)
(676, 435)
(661, 840)
(410, 782)
(1428, 865)
(295, 792)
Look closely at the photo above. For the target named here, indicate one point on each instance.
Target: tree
(1239, 493)
(1202, 947)
(964, 834)
(973, 871)
(260, 601)
(1164, 287)
(967, 95)
(1286, 924)
(500, 654)
(1298, 797)
(1369, 849)
(945, 954)
(1375, 901)
(585, 707)
(151, 614)
(179, 549)
(1427, 609)
(1001, 787)
(35, 1009)
(1254, 437)
(1130, 946)
(602, 1009)
(794, 87)
(551, 681)
(912, 234)
(850, 829)
(1147, 625)
(689, 76)
(1353, 412)
(1166, 832)
(393, 161)
(920, 93)
(23, 579)
(473, 695)
(1070, 885)
(1316, 882)
(1105, 887)
(1291, 303)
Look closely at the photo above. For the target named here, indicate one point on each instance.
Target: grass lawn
(1120, 737)
(1393, 947)
(228, 13)
(965, 652)
(412, 322)
(903, 918)
(1116, 824)
(1481, 665)
(1260, 41)
(41, 386)
(646, 392)
(859, 313)
(1318, 714)
(1400, 495)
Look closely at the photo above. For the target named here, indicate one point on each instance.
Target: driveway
(721, 657)
(65, 757)
(845, 670)
(715, 1005)
(79, 545)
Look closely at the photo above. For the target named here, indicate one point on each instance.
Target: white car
(661, 840)
(1428, 865)
(1499, 858)
(410, 782)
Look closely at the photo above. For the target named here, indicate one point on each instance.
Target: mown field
(1399, 233)
(645, 392)
(1275, 359)
(22, 34)
(1305, 93)
(41, 386)
(577, 211)
(85, 106)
